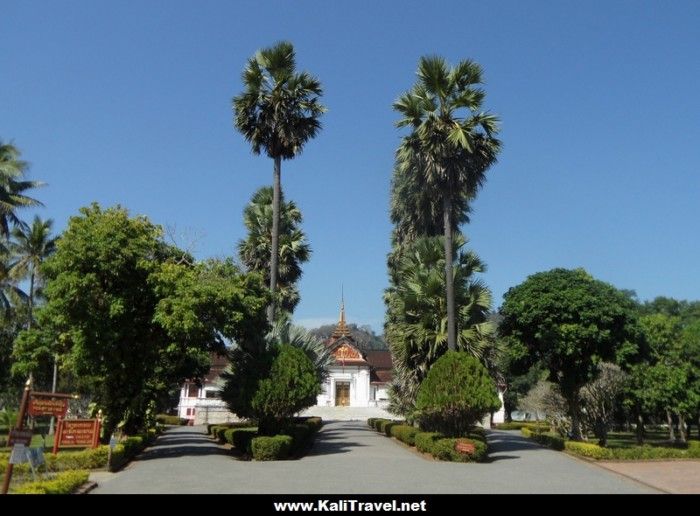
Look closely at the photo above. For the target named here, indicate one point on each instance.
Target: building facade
(356, 378)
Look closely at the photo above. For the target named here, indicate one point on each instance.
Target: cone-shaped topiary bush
(455, 395)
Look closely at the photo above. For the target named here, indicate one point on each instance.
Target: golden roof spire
(341, 330)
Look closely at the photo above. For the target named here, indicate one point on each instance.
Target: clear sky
(129, 102)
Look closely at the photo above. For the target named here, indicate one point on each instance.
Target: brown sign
(48, 406)
(81, 433)
(465, 447)
(19, 437)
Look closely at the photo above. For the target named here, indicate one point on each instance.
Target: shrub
(517, 425)
(425, 440)
(590, 450)
(379, 424)
(63, 483)
(315, 423)
(405, 433)
(370, 422)
(291, 387)
(86, 459)
(457, 392)
(385, 427)
(242, 437)
(165, 419)
(549, 439)
(445, 449)
(271, 448)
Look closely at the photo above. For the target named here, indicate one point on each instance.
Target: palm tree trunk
(449, 277)
(31, 299)
(274, 258)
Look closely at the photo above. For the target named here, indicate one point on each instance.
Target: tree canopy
(570, 322)
(131, 321)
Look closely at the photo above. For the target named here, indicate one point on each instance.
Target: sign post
(18, 428)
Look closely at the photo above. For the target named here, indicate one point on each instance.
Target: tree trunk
(681, 429)
(274, 258)
(669, 420)
(449, 276)
(640, 428)
(575, 408)
(31, 300)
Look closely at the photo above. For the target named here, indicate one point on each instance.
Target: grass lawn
(657, 438)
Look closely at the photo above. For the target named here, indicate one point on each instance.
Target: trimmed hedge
(271, 448)
(315, 422)
(63, 483)
(549, 439)
(165, 419)
(241, 438)
(644, 452)
(126, 450)
(445, 449)
(589, 450)
(425, 441)
(518, 425)
(405, 433)
(214, 427)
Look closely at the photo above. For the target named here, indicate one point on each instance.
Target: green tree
(570, 322)
(417, 318)
(292, 385)
(13, 188)
(32, 245)
(294, 250)
(133, 319)
(250, 365)
(451, 146)
(455, 395)
(278, 112)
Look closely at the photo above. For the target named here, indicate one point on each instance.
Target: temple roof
(341, 330)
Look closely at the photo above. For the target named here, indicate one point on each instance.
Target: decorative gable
(346, 352)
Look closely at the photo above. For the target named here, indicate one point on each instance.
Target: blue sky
(129, 102)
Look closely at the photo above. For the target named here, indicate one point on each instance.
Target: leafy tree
(417, 325)
(250, 365)
(278, 112)
(294, 250)
(292, 386)
(570, 322)
(451, 146)
(133, 321)
(13, 188)
(455, 395)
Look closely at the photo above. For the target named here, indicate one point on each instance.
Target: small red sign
(81, 433)
(19, 437)
(465, 447)
(48, 406)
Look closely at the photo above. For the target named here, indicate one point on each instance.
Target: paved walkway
(672, 476)
(348, 458)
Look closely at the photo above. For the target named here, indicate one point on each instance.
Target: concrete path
(348, 458)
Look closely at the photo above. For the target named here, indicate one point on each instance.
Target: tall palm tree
(13, 188)
(278, 112)
(294, 250)
(451, 146)
(32, 245)
(417, 327)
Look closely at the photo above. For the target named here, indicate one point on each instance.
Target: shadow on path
(177, 442)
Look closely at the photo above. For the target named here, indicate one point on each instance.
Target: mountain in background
(364, 337)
